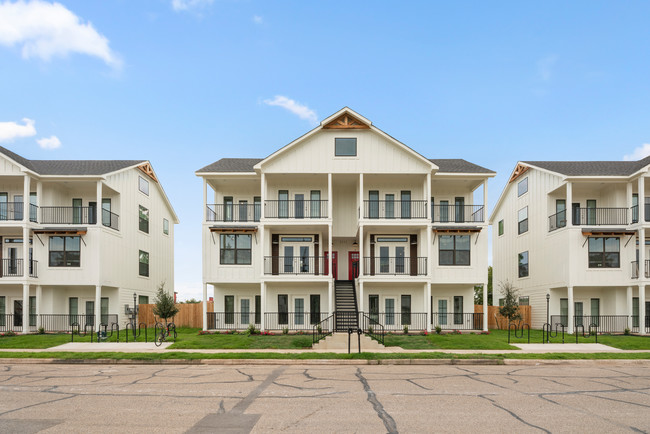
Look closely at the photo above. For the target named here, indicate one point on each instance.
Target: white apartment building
(571, 231)
(80, 239)
(344, 219)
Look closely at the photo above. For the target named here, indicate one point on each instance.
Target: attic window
(345, 147)
(143, 185)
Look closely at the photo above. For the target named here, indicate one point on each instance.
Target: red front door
(353, 265)
(335, 268)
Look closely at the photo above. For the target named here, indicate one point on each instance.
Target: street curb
(330, 362)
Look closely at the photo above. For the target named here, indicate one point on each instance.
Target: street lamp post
(548, 331)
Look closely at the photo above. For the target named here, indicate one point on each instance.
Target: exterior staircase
(347, 313)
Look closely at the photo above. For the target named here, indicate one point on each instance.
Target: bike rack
(590, 334)
(350, 331)
(549, 334)
(516, 329)
(85, 333)
(159, 329)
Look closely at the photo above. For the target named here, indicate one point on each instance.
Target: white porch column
(571, 309)
(263, 196)
(205, 199)
(642, 257)
(98, 306)
(25, 307)
(330, 296)
(569, 202)
(628, 309)
(263, 306)
(26, 191)
(205, 306)
(641, 190)
(39, 199)
(26, 181)
(361, 205)
(330, 196)
(362, 261)
(25, 252)
(427, 191)
(628, 200)
(39, 298)
(642, 312)
(98, 213)
(427, 304)
(361, 297)
(485, 306)
(330, 247)
(485, 203)
(262, 248)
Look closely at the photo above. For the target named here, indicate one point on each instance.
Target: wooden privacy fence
(189, 315)
(496, 321)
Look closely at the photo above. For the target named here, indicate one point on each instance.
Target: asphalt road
(246, 398)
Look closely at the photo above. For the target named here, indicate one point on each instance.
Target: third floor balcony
(589, 217)
(395, 209)
(78, 215)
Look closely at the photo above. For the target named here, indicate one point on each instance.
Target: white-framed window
(143, 185)
(523, 220)
(165, 226)
(345, 147)
(522, 187)
(523, 264)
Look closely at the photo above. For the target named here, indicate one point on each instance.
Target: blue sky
(186, 82)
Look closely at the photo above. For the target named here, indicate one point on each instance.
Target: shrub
(285, 330)
(251, 330)
(485, 332)
(41, 330)
(438, 329)
(319, 328)
(626, 332)
(370, 330)
(8, 334)
(406, 329)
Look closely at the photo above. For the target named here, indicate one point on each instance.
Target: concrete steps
(339, 341)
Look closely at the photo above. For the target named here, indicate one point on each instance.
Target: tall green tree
(164, 304)
(478, 290)
(510, 308)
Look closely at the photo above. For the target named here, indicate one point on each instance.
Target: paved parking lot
(324, 398)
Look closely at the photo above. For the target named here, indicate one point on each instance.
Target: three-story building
(344, 219)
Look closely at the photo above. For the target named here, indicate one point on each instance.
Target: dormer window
(345, 147)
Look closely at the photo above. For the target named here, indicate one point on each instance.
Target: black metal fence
(395, 265)
(457, 321)
(293, 321)
(323, 329)
(52, 322)
(295, 209)
(233, 320)
(397, 321)
(14, 268)
(276, 265)
(458, 213)
(241, 212)
(599, 216)
(395, 209)
(605, 323)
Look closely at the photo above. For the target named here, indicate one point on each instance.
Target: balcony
(395, 266)
(635, 213)
(233, 212)
(395, 209)
(635, 269)
(14, 268)
(78, 215)
(295, 209)
(589, 217)
(458, 213)
(296, 265)
(13, 211)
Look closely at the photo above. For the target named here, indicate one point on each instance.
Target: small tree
(164, 306)
(510, 308)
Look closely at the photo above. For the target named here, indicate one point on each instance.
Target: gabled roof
(230, 165)
(458, 165)
(592, 168)
(70, 167)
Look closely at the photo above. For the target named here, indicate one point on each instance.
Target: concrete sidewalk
(141, 347)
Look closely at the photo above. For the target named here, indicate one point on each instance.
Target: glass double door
(297, 264)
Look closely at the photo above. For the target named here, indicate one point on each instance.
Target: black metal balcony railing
(299, 265)
(78, 215)
(295, 209)
(458, 213)
(599, 216)
(396, 321)
(457, 321)
(395, 209)
(14, 211)
(605, 323)
(404, 266)
(635, 213)
(635, 269)
(557, 221)
(14, 268)
(233, 212)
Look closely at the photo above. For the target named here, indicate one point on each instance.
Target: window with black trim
(345, 147)
(523, 220)
(143, 185)
(454, 250)
(524, 301)
(143, 299)
(604, 252)
(522, 186)
(500, 227)
(144, 263)
(523, 264)
(65, 252)
(235, 249)
(144, 219)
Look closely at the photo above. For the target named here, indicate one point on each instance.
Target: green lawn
(243, 341)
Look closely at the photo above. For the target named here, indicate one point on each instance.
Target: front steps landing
(339, 341)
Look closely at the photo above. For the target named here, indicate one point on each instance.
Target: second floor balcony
(589, 217)
(395, 209)
(295, 209)
(295, 265)
(229, 212)
(14, 211)
(455, 213)
(395, 266)
(78, 215)
(635, 269)
(14, 268)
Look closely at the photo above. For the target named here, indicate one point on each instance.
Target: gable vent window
(345, 147)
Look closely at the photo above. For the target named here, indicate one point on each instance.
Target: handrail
(317, 329)
(370, 327)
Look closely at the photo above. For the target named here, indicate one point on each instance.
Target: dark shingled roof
(231, 165)
(458, 165)
(592, 168)
(70, 167)
(247, 164)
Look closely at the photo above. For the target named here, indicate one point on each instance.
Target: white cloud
(639, 153)
(45, 30)
(300, 110)
(184, 5)
(258, 19)
(49, 143)
(13, 130)
(545, 67)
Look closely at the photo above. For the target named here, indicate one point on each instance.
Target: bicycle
(162, 333)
